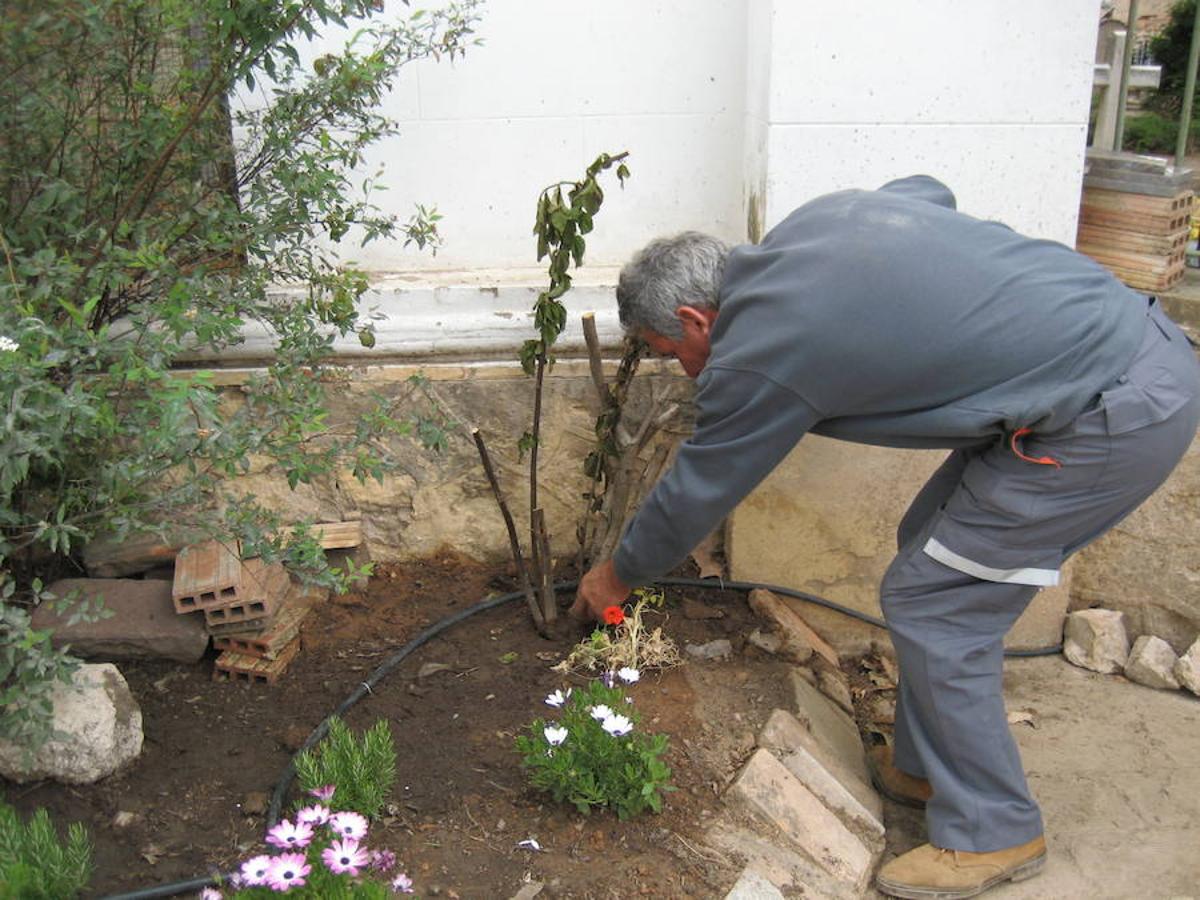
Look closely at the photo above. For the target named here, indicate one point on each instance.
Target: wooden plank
(332, 535)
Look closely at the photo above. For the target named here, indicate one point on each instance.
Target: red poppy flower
(613, 615)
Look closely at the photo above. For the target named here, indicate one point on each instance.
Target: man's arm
(746, 425)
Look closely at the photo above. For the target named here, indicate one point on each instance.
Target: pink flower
(324, 793)
(287, 870)
(402, 884)
(349, 825)
(345, 857)
(211, 894)
(313, 815)
(286, 835)
(254, 871)
(383, 860)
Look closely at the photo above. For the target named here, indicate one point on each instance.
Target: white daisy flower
(554, 736)
(600, 712)
(628, 674)
(558, 698)
(617, 725)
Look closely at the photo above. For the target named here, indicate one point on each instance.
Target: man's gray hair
(684, 270)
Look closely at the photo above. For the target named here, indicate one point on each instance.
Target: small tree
(562, 221)
(134, 228)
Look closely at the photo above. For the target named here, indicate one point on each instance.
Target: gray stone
(854, 801)
(766, 641)
(528, 891)
(143, 624)
(772, 793)
(832, 728)
(1096, 639)
(718, 649)
(753, 885)
(98, 729)
(1187, 669)
(1152, 663)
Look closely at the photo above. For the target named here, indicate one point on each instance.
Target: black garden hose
(366, 687)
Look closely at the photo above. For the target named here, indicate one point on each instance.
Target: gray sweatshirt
(882, 317)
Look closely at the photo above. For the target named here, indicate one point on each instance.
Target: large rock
(1187, 668)
(1096, 639)
(143, 624)
(1152, 663)
(98, 729)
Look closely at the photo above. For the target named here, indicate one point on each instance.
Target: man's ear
(696, 319)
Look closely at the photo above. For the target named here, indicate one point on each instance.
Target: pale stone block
(831, 727)
(777, 796)
(753, 885)
(784, 867)
(1187, 669)
(1152, 663)
(792, 744)
(98, 729)
(1095, 639)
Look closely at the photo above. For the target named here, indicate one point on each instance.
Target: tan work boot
(930, 873)
(900, 787)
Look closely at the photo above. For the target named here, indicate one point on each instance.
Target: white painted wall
(991, 98)
(727, 107)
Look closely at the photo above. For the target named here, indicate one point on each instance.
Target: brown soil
(461, 804)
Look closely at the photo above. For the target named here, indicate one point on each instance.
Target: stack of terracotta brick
(252, 610)
(1134, 218)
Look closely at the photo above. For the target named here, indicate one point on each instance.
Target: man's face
(693, 346)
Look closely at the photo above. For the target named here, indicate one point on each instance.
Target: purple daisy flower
(383, 860)
(349, 825)
(287, 870)
(402, 884)
(345, 857)
(324, 793)
(254, 871)
(313, 815)
(287, 835)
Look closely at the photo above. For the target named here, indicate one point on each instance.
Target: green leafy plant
(146, 218)
(35, 864)
(565, 213)
(363, 769)
(594, 755)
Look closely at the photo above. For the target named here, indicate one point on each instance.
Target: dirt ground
(193, 803)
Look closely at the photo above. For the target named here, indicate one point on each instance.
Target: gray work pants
(976, 544)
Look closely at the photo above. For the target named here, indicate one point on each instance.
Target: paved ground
(1116, 767)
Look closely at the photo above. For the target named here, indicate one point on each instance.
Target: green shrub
(34, 865)
(1154, 133)
(589, 759)
(362, 770)
(135, 229)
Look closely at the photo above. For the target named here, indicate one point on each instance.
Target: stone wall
(443, 499)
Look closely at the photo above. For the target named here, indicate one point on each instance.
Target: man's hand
(598, 589)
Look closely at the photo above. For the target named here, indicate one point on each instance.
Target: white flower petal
(600, 711)
(554, 736)
(628, 674)
(617, 725)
